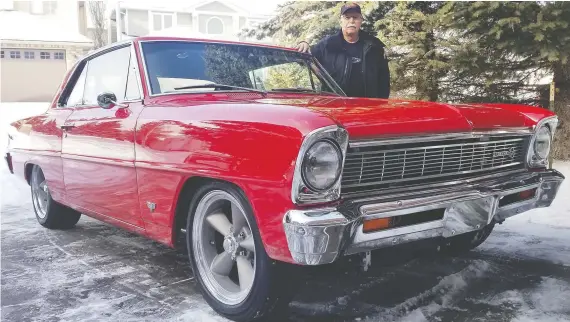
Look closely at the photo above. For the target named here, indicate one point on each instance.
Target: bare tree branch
(97, 12)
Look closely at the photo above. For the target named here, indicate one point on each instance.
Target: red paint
(114, 161)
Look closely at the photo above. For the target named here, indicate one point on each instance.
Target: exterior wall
(137, 22)
(25, 6)
(216, 6)
(184, 19)
(19, 77)
(227, 20)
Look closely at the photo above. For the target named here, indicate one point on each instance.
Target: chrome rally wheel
(224, 247)
(236, 276)
(49, 213)
(40, 192)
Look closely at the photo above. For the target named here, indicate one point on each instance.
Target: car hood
(368, 117)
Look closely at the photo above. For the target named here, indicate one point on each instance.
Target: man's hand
(303, 47)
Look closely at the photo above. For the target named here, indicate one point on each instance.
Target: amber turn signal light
(376, 224)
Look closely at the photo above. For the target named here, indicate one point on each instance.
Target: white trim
(127, 21)
(218, 13)
(208, 26)
(237, 9)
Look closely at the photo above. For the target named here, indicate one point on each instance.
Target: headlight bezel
(533, 160)
(301, 192)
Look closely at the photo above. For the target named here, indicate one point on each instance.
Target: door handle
(67, 127)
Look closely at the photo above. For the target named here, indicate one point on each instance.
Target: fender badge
(151, 206)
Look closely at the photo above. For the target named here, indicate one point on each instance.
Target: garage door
(31, 75)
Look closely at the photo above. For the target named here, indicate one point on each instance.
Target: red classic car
(253, 160)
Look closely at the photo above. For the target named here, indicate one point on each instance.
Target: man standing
(355, 59)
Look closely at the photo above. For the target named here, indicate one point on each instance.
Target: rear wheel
(237, 278)
(49, 213)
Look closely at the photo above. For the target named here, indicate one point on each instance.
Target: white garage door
(31, 75)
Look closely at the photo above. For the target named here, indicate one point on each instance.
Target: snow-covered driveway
(97, 272)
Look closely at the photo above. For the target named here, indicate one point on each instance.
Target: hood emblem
(508, 153)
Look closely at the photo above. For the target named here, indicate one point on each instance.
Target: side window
(76, 96)
(132, 92)
(107, 73)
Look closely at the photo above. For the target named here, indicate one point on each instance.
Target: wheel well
(28, 171)
(183, 203)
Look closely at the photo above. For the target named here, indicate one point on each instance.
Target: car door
(98, 151)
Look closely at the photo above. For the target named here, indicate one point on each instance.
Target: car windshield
(185, 66)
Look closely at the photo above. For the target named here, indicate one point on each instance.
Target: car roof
(218, 41)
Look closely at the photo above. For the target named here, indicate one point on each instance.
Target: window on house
(162, 20)
(49, 7)
(45, 55)
(29, 55)
(215, 26)
(58, 55)
(14, 54)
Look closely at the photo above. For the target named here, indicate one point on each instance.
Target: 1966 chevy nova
(253, 159)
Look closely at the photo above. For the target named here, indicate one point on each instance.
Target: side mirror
(108, 100)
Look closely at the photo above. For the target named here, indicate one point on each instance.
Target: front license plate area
(466, 216)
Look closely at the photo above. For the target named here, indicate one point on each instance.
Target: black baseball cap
(352, 7)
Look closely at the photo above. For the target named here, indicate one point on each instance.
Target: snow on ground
(97, 272)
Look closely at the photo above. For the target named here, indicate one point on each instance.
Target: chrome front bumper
(320, 236)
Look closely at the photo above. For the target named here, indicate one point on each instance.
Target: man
(355, 59)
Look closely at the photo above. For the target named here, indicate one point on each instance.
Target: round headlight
(321, 165)
(542, 142)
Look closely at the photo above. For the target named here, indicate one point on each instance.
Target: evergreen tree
(519, 35)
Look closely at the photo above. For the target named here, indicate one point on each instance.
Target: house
(45, 38)
(202, 19)
(39, 41)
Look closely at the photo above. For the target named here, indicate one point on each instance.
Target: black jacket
(330, 52)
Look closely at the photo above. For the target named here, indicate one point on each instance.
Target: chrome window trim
(101, 51)
(135, 59)
(145, 68)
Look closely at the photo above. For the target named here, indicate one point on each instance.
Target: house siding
(138, 22)
(184, 19)
(215, 7)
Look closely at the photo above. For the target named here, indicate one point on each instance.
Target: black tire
(274, 282)
(55, 215)
(466, 242)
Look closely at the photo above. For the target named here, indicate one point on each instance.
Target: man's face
(350, 22)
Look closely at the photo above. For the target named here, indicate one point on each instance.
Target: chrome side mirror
(108, 100)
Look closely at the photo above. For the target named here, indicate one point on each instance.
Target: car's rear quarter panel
(251, 145)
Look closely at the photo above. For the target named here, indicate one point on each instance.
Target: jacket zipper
(367, 47)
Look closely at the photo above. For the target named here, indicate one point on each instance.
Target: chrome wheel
(40, 192)
(223, 247)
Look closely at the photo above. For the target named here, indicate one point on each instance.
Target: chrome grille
(387, 164)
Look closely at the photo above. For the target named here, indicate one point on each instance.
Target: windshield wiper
(300, 90)
(293, 89)
(222, 86)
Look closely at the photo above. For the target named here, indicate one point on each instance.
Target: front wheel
(237, 278)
